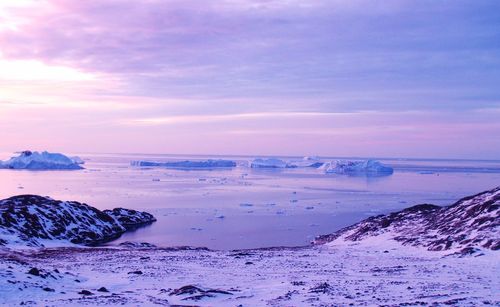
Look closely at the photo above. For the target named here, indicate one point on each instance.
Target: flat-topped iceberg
(270, 163)
(186, 164)
(42, 161)
(356, 168)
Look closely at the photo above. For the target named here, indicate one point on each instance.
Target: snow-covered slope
(472, 222)
(356, 168)
(30, 220)
(187, 164)
(42, 161)
(315, 276)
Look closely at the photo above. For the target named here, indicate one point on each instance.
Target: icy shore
(42, 161)
(402, 258)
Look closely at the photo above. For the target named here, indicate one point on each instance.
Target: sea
(242, 207)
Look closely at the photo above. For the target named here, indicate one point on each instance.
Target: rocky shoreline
(33, 220)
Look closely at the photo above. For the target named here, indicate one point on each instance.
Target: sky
(331, 78)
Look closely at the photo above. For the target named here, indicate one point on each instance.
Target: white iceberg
(186, 164)
(270, 163)
(367, 168)
(314, 162)
(41, 161)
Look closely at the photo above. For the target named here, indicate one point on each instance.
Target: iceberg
(77, 160)
(356, 168)
(42, 161)
(313, 162)
(186, 164)
(270, 163)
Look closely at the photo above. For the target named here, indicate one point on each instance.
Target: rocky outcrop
(471, 222)
(34, 220)
(130, 219)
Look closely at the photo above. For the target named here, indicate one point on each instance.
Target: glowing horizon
(329, 78)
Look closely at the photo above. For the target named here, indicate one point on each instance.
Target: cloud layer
(186, 63)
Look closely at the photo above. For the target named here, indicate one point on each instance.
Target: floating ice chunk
(77, 160)
(367, 168)
(41, 161)
(270, 163)
(187, 164)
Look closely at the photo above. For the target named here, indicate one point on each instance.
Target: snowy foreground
(423, 255)
(368, 273)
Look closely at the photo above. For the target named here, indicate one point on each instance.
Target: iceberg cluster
(356, 168)
(270, 163)
(42, 161)
(186, 164)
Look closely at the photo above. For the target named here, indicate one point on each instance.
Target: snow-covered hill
(32, 220)
(472, 222)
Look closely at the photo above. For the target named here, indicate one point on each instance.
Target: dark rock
(190, 290)
(324, 288)
(135, 272)
(85, 292)
(137, 244)
(102, 289)
(34, 272)
(48, 289)
(298, 283)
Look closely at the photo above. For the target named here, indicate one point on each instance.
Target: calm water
(260, 207)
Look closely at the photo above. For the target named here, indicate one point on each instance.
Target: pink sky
(327, 78)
